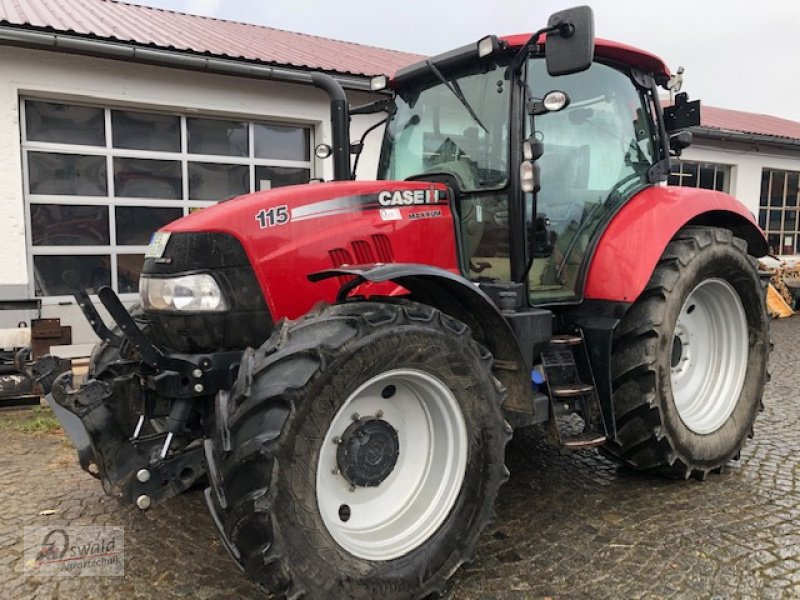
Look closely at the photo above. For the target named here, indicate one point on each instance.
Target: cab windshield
(432, 131)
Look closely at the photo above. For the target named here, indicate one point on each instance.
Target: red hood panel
(293, 231)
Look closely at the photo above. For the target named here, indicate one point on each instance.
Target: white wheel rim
(405, 509)
(709, 356)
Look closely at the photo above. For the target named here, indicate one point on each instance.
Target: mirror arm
(370, 108)
(520, 56)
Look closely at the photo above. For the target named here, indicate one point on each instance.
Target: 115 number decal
(277, 215)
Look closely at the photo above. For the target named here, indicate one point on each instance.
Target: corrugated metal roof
(723, 119)
(131, 23)
(118, 21)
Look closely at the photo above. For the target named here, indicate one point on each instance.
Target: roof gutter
(166, 58)
(749, 138)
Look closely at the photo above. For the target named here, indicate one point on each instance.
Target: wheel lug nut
(337, 440)
(352, 488)
(335, 471)
(379, 414)
(355, 416)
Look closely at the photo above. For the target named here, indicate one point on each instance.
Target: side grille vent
(383, 247)
(340, 256)
(363, 252)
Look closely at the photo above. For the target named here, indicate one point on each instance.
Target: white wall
(747, 162)
(45, 74)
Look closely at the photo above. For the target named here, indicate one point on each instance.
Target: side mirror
(570, 48)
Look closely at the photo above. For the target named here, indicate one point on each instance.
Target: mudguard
(636, 237)
(423, 281)
(460, 298)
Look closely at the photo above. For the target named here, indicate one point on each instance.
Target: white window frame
(765, 206)
(681, 175)
(111, 200)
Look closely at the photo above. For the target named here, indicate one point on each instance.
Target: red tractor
(344, 362)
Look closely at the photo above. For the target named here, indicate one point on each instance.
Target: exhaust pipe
(340, 124)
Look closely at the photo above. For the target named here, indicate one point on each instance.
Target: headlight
(189, 293)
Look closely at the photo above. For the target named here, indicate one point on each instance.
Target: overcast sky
(737, 54)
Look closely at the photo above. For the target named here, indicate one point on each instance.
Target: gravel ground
(570, 524)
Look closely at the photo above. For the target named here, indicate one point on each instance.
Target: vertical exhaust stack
(340, 124)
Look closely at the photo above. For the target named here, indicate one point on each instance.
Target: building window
(709, 176)
(99, 181)
(778, 208)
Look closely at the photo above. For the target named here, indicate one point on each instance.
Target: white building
(757, 159)
(116, 119)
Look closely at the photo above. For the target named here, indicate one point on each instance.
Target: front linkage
(161, 454)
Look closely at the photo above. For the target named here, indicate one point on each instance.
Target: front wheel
(690, 357)
(359, 454)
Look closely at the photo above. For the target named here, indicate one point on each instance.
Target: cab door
(598, 152)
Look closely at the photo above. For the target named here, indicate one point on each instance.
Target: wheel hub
(709, 356)
(368, 452)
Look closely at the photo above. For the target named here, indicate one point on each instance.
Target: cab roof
(610, 50)
(468, 54)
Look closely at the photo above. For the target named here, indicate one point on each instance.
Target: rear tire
(324, 383)
(690, 357)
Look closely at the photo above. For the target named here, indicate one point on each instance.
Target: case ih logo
(408, 197)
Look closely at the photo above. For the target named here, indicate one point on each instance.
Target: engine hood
(291, 232)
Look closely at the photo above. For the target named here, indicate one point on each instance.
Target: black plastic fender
(461, 299)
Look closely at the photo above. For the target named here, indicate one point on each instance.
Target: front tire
(359, 454)
(689, 359)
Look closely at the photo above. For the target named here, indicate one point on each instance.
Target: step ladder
(565, 366)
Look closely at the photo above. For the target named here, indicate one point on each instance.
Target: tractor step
(571, 391)
(583, 440)
(566, 340)
(576, 419)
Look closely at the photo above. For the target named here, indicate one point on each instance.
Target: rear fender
(635, 239)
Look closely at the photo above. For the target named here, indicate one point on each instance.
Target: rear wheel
(689, 360)
(359, 454)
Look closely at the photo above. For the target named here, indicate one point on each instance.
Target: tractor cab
(538, 156)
